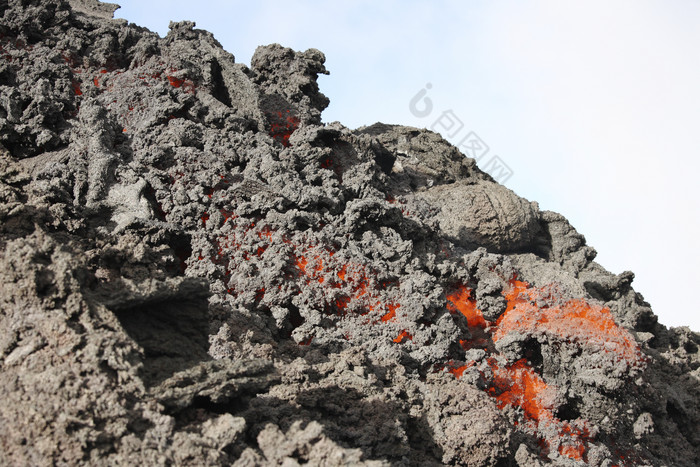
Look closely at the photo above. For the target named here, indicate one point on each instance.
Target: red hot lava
(518, 384)
(352, 288)
(282, 125)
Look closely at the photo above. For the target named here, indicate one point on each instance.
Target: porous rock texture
(196, 270)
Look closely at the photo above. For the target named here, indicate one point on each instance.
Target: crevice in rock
(173, 334)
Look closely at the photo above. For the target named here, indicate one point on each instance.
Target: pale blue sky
(594, 104)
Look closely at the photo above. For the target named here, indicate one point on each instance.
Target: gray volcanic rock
(484, 214)
(196, 270)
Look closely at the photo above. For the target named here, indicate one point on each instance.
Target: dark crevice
(532, 351)
(150, 195)
(233, 406)
(383, 157)
(570, 410)
(295, 318)
(173, 334)
(219, 89)
(183, 250)
(681, 419)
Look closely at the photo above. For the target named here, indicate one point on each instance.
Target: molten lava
(460, 300)
(572, 320)
(531, 310)
(351, 288)
(282, 125)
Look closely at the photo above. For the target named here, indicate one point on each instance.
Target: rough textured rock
(196, 270)
(483, 214)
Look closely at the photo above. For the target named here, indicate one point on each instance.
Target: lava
(187, 85)
(460, 300)
(347, 287)
(351, 288)
(572, 320)
(531, 310)
(282, 126)
(76, 87)
(403, 335)
(325, 279)
(392, 307)
(520, 386)
(528, 310)
(363, 297)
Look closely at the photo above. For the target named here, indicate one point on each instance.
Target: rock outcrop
(196, 270)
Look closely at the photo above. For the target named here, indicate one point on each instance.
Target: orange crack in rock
(356, 277)
(518, 384)
(574, 321)
(392, 307)
(76, 87)
(187, 85)
(458, 371)
(301, 264)
(315, 265)
(403, 335)
(360, 295)
(351, 287)
(460, 300)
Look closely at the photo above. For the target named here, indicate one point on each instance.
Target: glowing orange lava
(364, 295)
(518, 385)
(403, 335)
(392, 307)
(573, 320)
(351, 288)
(460, 300)
(187, 85)
(531, 310)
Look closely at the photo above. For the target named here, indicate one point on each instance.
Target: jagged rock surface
(195, 270)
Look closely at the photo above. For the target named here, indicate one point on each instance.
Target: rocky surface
(196, 270)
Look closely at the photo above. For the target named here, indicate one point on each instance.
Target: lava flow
(572, 320)
(352, 288)
(282, 125)
(537, 310)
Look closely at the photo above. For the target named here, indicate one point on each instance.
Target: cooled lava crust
(196, 270)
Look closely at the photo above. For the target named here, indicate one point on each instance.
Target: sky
(591, 108)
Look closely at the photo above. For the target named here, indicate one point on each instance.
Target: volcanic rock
(195, 269)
